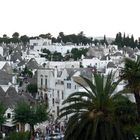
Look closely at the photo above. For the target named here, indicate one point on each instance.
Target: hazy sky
(94, 17)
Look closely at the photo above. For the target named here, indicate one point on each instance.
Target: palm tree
(131, 73)
(96, 114)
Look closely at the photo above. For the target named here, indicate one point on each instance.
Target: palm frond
(92, 113)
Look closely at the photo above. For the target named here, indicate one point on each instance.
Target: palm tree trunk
(137, 98)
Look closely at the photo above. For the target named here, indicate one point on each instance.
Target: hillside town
(48, 72)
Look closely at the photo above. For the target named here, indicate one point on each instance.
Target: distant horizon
(94, 36)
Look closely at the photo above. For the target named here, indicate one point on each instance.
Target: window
(57, 110)
(41, 81)
(53, 101)
(58, 94)
(62, 95)
(46, 97)
(75, 86)
(8, 115)
(46, 82)
(69, 85)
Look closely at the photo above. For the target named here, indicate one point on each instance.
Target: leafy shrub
(18, 136)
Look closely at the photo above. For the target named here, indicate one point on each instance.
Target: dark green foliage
(136, 130)
(98, 113)
(18, 136)
(15, 35)
(124, 40)
(105, 40)
(79, 39)
(56, 56)
(48, 36)
(22, 112)
(73, 38)
(15, 38)
(77, 53)
(46, 51)
(32, 88)
(2, 112)
(24, 39)
(38, 114)
(25, 113)
(47, 54)
(131, 73)
(27, 72)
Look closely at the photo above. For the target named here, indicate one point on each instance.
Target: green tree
(132, 42)
(24, 39)
(18, 136)
(21, 114)
(32, 88)
(119, 40)
(136, 131)
(27, 72)
(25, 113)
(75, 53)
(5, 39)
(105, 40)
(47, 54)
(60, 37)
(38, 114)
(5, 36)
(15, 35)
(48, 36)
(95, 113)
(84, 51)
(57, 56)
(46, 51)
(131, 73)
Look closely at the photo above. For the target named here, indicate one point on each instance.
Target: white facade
(32, 54)
(64, 64)
(99, 64)
(1, 51)
(55, 86)
(9, 115)
(40, 42)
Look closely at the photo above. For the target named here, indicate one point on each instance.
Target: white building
(55, 85)
(95, 62)
(63, 64)
(40, 42)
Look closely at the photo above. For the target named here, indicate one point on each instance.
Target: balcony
(57, 100)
